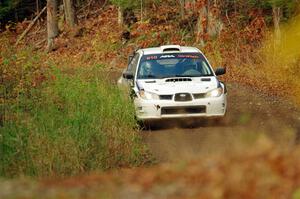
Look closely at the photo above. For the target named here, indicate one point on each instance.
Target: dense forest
(207, 17)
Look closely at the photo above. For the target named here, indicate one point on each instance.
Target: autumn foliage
(236, 36)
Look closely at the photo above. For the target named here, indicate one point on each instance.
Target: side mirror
(128, 75)
(130, 59)
(220, 71)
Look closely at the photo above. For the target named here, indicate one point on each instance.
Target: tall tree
(70, 15)
(120, 15)
(52, 25)
(280, 10)
(202, 24)
(182, 8)
(277, 13)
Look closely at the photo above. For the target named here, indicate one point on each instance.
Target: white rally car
(174, 82)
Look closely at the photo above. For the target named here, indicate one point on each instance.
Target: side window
(133, 64)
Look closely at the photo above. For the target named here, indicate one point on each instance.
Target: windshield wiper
(172, 76)
(187, 76)
(208, 75)
(150, 76)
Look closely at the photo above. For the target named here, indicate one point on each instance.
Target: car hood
(178, 85)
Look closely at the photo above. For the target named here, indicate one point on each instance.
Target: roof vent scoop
(170, 48)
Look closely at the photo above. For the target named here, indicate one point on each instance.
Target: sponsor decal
(167, 56)
(151, 57)
(188, 56)
(170, 56)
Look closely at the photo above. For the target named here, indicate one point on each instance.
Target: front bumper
(160, 109)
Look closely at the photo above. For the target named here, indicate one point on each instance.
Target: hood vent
(148, 82)
(170, 48)
(179, 80)
(206, 79)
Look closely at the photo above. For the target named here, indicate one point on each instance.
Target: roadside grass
(73, 123)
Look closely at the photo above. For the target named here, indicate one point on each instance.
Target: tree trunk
(142, 9)
(70, 15)
(214, 22)
(182, 10)
(37, 6)
(207, 25)
(202, 24)
(52, 26)
(276, 20)
(120, 16)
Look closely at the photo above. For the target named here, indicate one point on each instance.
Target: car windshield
(173, 65)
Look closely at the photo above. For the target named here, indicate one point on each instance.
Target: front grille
(183, 110)
(165, 97)
(183, 97)
(199, 95)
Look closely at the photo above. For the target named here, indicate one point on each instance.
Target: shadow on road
(186, 123)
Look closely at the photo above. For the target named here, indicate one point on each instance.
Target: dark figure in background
(129, 17)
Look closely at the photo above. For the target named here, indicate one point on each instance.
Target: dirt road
(250, 114)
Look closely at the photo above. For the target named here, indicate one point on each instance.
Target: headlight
(148, 95)
(215, 93)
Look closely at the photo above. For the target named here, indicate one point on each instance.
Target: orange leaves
(256, 29)
(189, 5)
(140, 29)
(263, 171)
(200, 4)
(215, 10)
(156, 31)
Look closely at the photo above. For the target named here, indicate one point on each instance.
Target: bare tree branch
(30, 26)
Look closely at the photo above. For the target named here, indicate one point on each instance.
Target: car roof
(169, 49)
